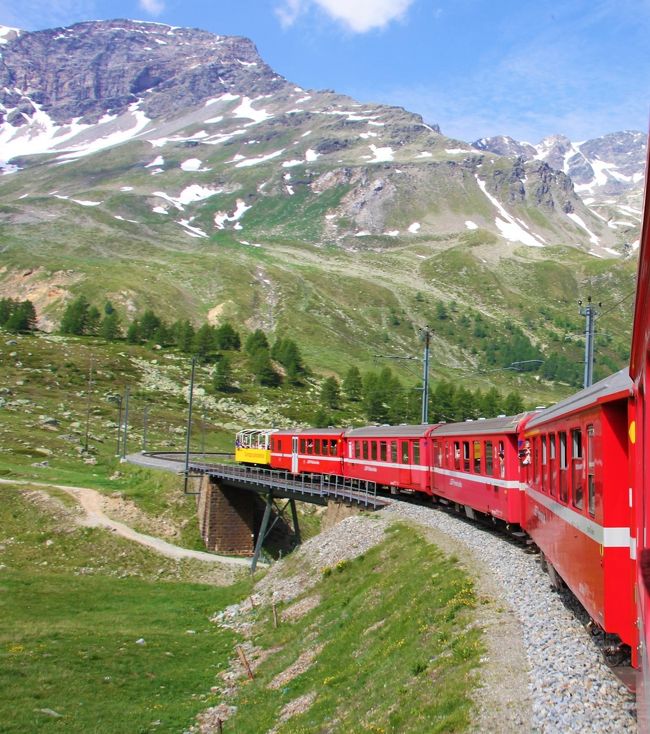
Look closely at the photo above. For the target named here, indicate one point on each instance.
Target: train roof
(392, 431)
(311, 432)
(618, 385)
(503, 424)
(641, 326)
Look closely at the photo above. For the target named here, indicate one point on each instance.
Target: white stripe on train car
(481, 479)
(307, 456)
(387, 465)
(607, 537)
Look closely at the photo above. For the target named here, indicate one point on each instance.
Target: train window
(489, 458)
(502, 459)
(357, 449)
(405, 452)
(303, 446)
(373, 450)
(477, 457)
(437, 453)
(466, 455)
(591, 472)
(333, 447)
(577, 467)
(537, 466)
(383, 451)
(456, 455)
(416, 452)
(393, 451)
(447, 454)
(317, 446)
(552, 476)
(564, 487)
(544, 469)
(365, 449)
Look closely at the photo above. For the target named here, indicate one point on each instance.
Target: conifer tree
(75, 317)
(352, 384)
(109, 327)
(257, 340)
(330, 393)
(204, 342)
(226, 337)
(222, 375)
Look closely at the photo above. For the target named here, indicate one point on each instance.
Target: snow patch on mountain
(261, 159)
(246, 109)
(220, 218)
(581, 223)
(507, 224)
(193, 165)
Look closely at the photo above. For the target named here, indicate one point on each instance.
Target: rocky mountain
(607, 172)
(173, 168)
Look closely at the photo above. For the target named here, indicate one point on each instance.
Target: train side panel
(577, 507)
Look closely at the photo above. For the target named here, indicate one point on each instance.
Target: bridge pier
(226, 518)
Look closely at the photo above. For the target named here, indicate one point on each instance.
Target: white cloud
(153, 7)
(358, 16)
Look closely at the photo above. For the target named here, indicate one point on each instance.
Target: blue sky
(477, 68)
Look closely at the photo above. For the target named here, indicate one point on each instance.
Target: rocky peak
(93, 68)
(506, 146)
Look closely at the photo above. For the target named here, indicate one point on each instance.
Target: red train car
(639, 436)
(476, 464)
(311, 451)
(578, 496)
(391, 456)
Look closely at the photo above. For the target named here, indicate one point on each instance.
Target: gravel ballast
(543, 671)
(571, 687)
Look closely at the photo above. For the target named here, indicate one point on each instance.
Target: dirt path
(92, 501)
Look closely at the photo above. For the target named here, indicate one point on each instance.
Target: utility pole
(590, 313)
(144, 427)
(88, 401)
(126, 421)
(425, 335)
(189, 426)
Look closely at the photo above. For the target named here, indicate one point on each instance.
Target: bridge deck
(317, 489)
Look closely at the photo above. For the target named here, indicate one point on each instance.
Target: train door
(405, 478)
(294, 454)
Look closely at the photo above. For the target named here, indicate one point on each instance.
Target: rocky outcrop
(99, 67)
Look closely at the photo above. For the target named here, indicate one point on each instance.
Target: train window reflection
(591, 472)
(489, 459)
(564, 487)
(577, 467)
(466, 455)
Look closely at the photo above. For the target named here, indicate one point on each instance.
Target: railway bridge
(240, 507)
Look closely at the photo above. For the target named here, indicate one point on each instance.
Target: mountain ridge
(249, 194)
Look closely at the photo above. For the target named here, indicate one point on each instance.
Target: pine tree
(226, 337)
(321, 419)
(133, 332)
(330, 393)
(93, 320)
(149, 324)
(257, 340)
(513, 404)
(183, 335)
(222, 375)
(109, 328)
(204, 342)
(352, 384)
(75, 317)
(263, 369)
(22, 317)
